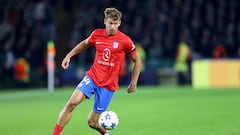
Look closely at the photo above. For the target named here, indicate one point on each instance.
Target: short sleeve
(91, 38)
(131, 48)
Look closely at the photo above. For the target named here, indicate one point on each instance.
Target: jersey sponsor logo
(106, 63)
(106, 54)
(115, 44)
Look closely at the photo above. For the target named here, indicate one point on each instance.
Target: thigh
(77, 97)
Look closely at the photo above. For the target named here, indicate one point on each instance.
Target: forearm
(80, 47)
(136, 71)
(76, 50)
(135, 74)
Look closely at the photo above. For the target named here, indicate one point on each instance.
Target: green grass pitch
(150, 111)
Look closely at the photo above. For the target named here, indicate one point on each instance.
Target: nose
(112, 26)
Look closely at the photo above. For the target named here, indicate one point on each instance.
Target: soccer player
(101, 79)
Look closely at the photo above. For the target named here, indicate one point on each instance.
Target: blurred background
(170, 36)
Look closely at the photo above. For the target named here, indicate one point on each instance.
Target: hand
(65, 63)
(132, 88)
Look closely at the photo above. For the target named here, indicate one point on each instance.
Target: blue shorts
(102, 96)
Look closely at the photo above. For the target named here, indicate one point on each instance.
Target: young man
(102, 78)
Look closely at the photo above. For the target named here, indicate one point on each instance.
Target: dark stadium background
(157, 25)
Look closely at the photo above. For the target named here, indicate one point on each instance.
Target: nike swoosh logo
(100, 109)
(98, 42)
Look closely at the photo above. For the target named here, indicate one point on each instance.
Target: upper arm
(135, 58)
(85, 43)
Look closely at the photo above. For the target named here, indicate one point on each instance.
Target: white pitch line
(21, 94)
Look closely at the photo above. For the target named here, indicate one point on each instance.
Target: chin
(111, 33)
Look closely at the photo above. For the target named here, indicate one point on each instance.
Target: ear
(104, 21)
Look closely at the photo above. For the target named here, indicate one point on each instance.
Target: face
(111, 25)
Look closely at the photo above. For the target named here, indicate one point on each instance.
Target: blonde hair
(112, 13)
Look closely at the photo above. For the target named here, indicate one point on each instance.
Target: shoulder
(98, 31)
(127, 41)
(123, 34)
(126, 38)
(95, 34)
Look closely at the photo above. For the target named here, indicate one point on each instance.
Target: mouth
(111, 32)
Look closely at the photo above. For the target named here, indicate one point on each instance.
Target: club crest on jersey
(115, 44)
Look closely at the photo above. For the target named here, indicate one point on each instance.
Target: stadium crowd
(160, 25)
(210, 28)
(25, 27)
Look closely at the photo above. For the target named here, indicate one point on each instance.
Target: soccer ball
(108, 120)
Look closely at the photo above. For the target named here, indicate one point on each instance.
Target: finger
(65, 65)
(131, 90)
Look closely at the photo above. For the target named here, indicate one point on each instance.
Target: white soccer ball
(108, 120)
